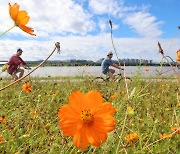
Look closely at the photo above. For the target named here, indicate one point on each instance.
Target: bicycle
(118, 78)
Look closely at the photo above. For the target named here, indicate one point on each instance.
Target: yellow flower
(115, 95)
(130, 111)
(35, 116)
(161, 86)
(32, 112)
(20, 18)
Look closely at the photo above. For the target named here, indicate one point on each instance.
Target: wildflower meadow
(80, 115)
(43, 121)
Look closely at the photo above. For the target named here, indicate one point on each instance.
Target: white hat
(109, 53)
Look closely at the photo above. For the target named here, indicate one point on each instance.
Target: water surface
(96, 71)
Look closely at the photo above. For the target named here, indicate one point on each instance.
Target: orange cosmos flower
(1, 139)
(163, 136)
(20, 18)
(161, 86)
(176, 129)
(131, 137)
(87, 119)
(3, 119)
(178, 55)
(26, 87)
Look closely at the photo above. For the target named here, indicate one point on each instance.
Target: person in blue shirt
(108, 62)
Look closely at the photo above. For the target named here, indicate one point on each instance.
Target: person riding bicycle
(14, 65)
(108, 62)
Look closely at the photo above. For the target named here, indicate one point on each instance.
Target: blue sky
(82, 28)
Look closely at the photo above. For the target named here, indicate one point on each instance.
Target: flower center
(87, 116)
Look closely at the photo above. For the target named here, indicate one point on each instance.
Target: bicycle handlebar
(27, 68)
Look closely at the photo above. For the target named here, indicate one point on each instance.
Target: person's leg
(14, 75)
(110, 73)
(21, 71)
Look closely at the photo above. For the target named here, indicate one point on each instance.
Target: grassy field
(29, 121)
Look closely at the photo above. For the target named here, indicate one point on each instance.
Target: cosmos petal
(27, 29)
(13, 11)
(94, 99)
(80, 139)
(77, 101)
(101, 135)
(92, 137)
(66, 111)
(106, 108)
(22, 18)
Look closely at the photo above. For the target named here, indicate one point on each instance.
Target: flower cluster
(163, 136)
(131, 137)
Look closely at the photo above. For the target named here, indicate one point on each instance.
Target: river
(96, 71)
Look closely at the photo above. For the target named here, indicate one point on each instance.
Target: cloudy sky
(82, 27)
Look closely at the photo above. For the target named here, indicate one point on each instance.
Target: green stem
(7, 30)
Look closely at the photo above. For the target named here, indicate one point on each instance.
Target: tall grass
(32, 125)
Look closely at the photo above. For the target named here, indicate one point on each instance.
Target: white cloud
(89, 47)
(67, 16)
(104, 6)
(144, 24)
(75, 22)
(103, 24)
(52, 16)
(136, 17)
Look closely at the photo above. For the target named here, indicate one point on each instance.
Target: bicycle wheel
(99, 79)
(128, 79)
(120, 78)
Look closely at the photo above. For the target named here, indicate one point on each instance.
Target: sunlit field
(81, 115)
(147, 116)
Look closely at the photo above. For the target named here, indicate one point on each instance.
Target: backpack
(5, 67)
